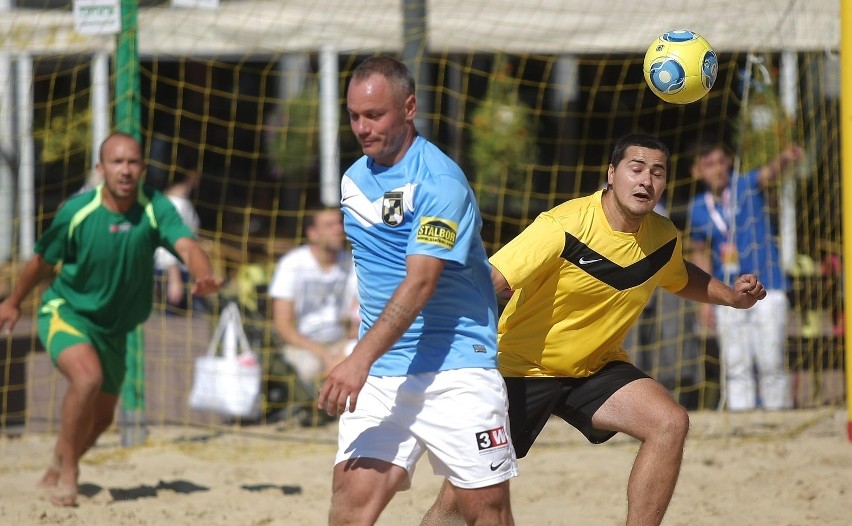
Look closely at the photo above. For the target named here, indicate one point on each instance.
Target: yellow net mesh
(527, 96)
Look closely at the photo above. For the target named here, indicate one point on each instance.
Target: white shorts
(460, 417)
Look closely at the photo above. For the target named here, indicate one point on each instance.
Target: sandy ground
(792, 468)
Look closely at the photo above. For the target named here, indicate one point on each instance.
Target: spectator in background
(313, 290)
(172, 274)
(98, 253)
(731, 234)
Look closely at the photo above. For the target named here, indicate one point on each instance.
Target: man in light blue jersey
(423, 376)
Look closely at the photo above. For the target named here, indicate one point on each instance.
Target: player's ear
(610, 175)
(410, 107)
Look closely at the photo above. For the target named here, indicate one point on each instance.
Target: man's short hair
(109, 137)
(642, 140)
(396, 73)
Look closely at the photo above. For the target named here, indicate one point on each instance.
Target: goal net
(528, 96)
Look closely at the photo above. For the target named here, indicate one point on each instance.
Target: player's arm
(421, 278)
(412, 294)
(199, 266)
(703, 287)
(35, 271)
(501, 285)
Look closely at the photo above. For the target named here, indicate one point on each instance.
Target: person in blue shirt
(423, 377)
(731, 234)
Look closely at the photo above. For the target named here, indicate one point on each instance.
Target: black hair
(643, 140)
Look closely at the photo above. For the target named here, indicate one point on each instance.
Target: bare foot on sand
(64, 494)
(51, 476)
(60, 489)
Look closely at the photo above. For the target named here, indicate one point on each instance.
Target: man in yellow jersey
(581, 274)
(99, 251)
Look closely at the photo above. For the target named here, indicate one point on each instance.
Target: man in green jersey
(99, 251)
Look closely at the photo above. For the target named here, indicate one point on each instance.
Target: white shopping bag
(228, 383)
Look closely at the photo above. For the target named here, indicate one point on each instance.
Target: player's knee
(87, 381)
(676, 423)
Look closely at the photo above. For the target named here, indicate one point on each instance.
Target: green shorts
(59, 327)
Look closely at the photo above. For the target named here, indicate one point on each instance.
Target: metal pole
(414, 53)
(329, 111)
(789, 93)
(100, 102)
(26, 157)
(7, 151)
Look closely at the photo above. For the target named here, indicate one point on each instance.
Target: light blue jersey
(422, 205)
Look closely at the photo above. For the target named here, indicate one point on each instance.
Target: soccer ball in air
(680, 66)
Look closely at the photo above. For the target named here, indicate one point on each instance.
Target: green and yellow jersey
(578, 288)
(105, 258)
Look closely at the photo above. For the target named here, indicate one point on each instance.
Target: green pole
(128, 117)
(128, 114)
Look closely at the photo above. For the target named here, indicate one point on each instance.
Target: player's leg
(769, 339)
(466, 432)
(488, 505)
(65, 336)
(362, 488)
(376, 454)
(644, 410)
(445, 510)
(81, 367)
(103, 413)
(112, 352)
(531, 402)
(458, 506)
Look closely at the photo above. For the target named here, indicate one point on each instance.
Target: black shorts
(533, 399)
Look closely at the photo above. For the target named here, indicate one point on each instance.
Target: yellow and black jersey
(579, 286)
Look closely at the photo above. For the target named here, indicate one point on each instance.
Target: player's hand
(9, 315)
(206, 285)
(747, 291)
(343, 384)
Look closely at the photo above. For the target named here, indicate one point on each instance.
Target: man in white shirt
(314, 299)
(167, 267)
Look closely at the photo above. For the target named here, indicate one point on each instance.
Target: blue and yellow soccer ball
(680, 66)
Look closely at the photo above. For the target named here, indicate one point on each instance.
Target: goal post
(846, 134)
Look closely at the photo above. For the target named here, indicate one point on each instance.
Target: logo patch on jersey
(437, 231)
(492, 438)
(120, 227)
(392, 208)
